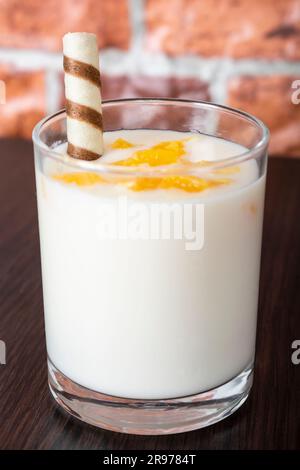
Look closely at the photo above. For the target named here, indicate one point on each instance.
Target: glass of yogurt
(150, 263)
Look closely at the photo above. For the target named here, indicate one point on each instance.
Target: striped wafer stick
(83, 96)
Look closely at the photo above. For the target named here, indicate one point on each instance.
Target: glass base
(150, 417)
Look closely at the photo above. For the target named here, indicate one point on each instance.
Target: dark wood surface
(29, 418)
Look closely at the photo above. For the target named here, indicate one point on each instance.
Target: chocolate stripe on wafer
(81, 70)
(84, 113)
(81, 154)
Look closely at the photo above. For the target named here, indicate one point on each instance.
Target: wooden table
(29, 418)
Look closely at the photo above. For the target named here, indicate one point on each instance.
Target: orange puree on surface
(163, 153)
(121, 144)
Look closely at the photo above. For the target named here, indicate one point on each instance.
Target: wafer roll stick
(83, 96)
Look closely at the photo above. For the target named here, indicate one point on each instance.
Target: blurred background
(243, 53)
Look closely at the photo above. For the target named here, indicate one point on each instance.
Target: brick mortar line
(114, 61)
(30, 59)
(136, 18)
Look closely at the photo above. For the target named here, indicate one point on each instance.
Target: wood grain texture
(29, 418)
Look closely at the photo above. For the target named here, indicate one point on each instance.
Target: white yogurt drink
(151, 318)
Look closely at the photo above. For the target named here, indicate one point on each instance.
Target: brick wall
(238, 52)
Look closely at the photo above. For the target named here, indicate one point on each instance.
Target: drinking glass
(151, 335)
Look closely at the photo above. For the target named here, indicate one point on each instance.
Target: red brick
(269, 98)
(235, 28)
(41, 25)
(117, 87)
(25, 102)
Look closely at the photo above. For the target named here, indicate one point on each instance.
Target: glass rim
(248, 154)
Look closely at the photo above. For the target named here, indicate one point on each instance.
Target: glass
(147, 336)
